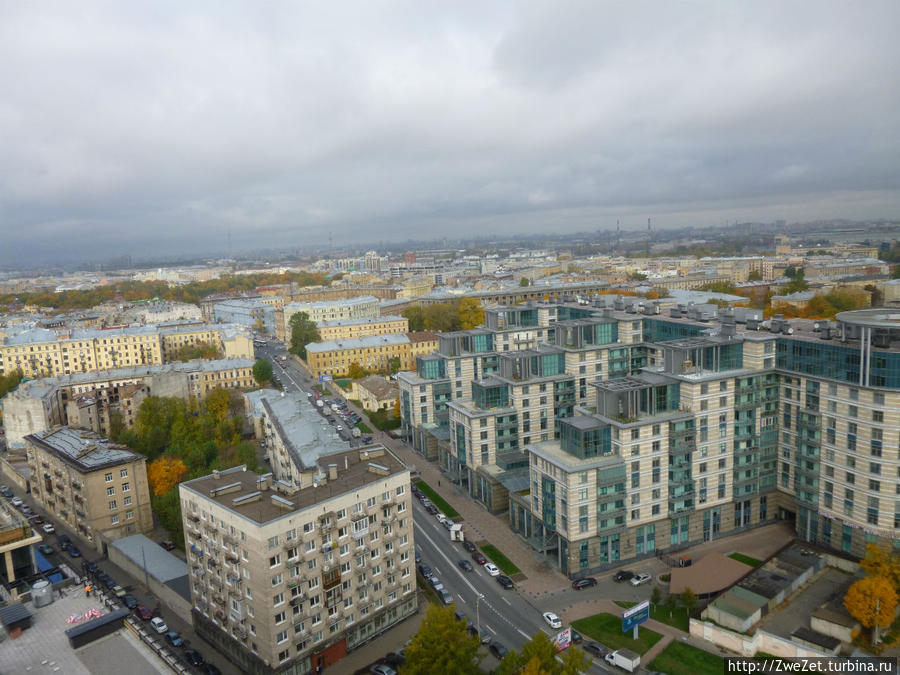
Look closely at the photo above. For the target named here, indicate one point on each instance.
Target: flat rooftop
(260, 499)
(85, 450)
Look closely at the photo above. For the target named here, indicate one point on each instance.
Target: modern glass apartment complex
(624, 432)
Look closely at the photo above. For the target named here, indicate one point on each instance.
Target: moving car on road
(641, 579)
(465, 565)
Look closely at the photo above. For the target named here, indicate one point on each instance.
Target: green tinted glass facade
(490, 396)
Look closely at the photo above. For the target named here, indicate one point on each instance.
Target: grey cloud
(158, 127)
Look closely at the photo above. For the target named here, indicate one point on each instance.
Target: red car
(143, 612)
(479, 558)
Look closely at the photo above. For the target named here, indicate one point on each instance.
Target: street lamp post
(478, 598)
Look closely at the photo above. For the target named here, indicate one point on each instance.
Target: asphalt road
(504, 615)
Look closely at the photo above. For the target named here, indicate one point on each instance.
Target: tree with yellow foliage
(471, 314)
(882, 561)
(872, 602)
(164, 473)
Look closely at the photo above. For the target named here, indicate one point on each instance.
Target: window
(129, 515)
(127, 501)
(277, 599)
(123, 473)
(110, 491)
(126, 487)
(112, 505)
(280, 618)
(114, 520)
(275, 560)
(108, 477)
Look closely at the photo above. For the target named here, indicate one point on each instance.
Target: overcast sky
(149, 128)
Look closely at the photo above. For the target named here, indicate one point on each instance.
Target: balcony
(194, 519)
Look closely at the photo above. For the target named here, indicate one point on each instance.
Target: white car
(440, 517)
(639, 579)
(492, 569)
(16, 501)
(339, 428)
(159, 625)
(552, 620)
(48, 528)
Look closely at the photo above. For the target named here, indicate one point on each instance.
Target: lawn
(677, 618)
(682, 659)
(607, 629)
(384, 420)
(439, 501)
(746, 559)
(505, 564)
(363, 428)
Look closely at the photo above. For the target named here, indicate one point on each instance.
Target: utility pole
(478, 599)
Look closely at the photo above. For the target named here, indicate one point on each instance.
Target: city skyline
(169, 130)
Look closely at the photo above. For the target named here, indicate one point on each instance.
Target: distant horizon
(272, 256)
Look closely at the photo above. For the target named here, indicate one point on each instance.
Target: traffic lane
(498, 605)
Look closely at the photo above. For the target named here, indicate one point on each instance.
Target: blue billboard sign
(635, 616)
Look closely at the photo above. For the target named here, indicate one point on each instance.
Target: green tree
(895, 272)
(655, 596)
(441, 317)
(394, 365)
(167, 508)
(471, 314)
(262, 371)
(689, 600)
(303, 331)
(755, 275)
(197, 350)
(671, 603)
(415, 315)
(442, 645)
(524, 282)
(538, 655)
(246, 453)
(638, 276)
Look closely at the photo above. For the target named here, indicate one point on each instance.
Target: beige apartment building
(88, 399)
(96, 487)
(344, 329)
(47, 353)
(289, 577)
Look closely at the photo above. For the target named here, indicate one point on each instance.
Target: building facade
(254, 314)
(345, 329)
(49, 353)
(377, 353)
(98, 488)
(677, 429)
(363, 307)
(289, 577)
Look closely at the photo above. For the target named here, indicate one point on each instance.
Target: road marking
(507, 602)
(523, 633)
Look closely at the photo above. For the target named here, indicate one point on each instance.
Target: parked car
(552, 620)
(143, 613)
(596, 649)
(210, 669)
(575, 637)
(424, 570)
(108, 581)
(63, 541)
(339, 428)
(505, 581)
(5, 491)
(431, 508)
(16, 501)
(45, 549)
(641, 579)
(193, 657)
(36, 520)
(48, 528)
(478, 557)
(418, 557)
(174, 639)
(498, 650)
(469, 546)
(73, 551)
(168, 545)
(492, 569)
(26, 510)
(91, 568)
(465, 565)
(444, 595)
(130, 601)
(382, 669)
(623, 575)
(159, 625)
(578, 584)
(367, 439)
